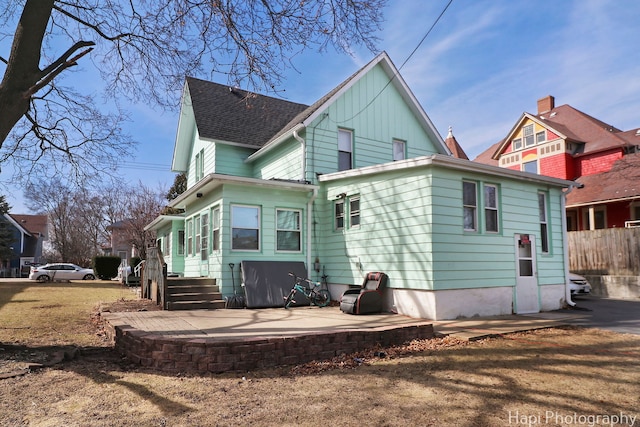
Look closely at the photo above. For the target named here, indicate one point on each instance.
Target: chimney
(546, 104)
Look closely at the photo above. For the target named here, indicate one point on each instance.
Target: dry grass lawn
(549, 377)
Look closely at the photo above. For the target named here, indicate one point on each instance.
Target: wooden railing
(154, 277)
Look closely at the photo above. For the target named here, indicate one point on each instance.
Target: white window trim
(299, 230)
(351, 214)
(215, 227)
(259, 228)
(336, 216)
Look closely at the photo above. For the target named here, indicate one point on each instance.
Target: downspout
(310, 230)
(303, 144)
(563, 207)
(310, 202)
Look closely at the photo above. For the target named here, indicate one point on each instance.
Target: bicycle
(319, 297)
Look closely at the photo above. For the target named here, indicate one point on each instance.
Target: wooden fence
(611, 251)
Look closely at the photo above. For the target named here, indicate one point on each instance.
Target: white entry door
(527, 298)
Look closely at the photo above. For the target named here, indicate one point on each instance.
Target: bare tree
(143, 206)
(79, 217)
(142, 51)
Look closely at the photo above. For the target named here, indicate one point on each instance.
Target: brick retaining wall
(214, 355)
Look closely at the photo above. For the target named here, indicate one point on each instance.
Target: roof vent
(638, 132)
(553, 114)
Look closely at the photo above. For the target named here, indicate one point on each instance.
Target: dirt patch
(124, 304)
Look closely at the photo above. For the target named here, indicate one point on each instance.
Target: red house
(566, 143)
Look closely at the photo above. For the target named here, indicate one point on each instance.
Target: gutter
(274, 143)
(563, 207)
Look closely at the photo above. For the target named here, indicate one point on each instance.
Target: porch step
(195, 305)
(193, 293)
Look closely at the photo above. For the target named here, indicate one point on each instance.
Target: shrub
(106, 267)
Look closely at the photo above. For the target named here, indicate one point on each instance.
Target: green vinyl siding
(230, 160)
(374, 124)
(388, 238)
(282, 162)
(465, 260)
(412, 228)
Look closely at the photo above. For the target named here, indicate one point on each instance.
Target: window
(189, 237)
(245, 228)
(204, 252)
(216, 228)
(181, 242)
(540, 137)
(491, 208)
(531, 167)
(517, 144)
(399, 148)
(200, 165)
(339, 214)
(470, 205)
(198, 230)
(288, 236)
(167, 244)
(527, 133)
(345, 149)
(544, 230)
(599, 218)
(354, 211)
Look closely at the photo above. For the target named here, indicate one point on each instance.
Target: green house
(360, 181)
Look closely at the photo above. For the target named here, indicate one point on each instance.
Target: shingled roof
(579, 127)
(592, 134)
(454, 147)
(620, 183)
(33, 224)
(229, 114)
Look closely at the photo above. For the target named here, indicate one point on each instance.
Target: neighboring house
(566, 143)
(360, 181)
(120, 233)
(29, 234)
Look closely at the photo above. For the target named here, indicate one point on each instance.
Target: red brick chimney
(546, 104)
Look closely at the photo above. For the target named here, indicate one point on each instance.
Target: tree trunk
(23, 68)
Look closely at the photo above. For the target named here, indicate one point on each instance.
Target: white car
(60, 271)
(578, 285)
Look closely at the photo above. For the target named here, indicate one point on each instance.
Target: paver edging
(247, 353)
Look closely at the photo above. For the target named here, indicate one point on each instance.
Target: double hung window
(245, 228)
(204, 249)
(481, 207)
(345, 149)
(288, 234)
(544, 230)
(470, 205)
(491, 208)
(399, 150)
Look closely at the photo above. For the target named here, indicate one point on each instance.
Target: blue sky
(483, 65)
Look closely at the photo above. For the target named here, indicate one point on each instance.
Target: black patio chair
(367, 298)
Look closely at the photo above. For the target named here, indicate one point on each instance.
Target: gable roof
(33, 225)
(568, 123)
(622, 182)
(223, 113)
(309, 114)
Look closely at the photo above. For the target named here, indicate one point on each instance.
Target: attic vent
(553, 114)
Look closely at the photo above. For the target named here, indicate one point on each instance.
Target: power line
(403, 64)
